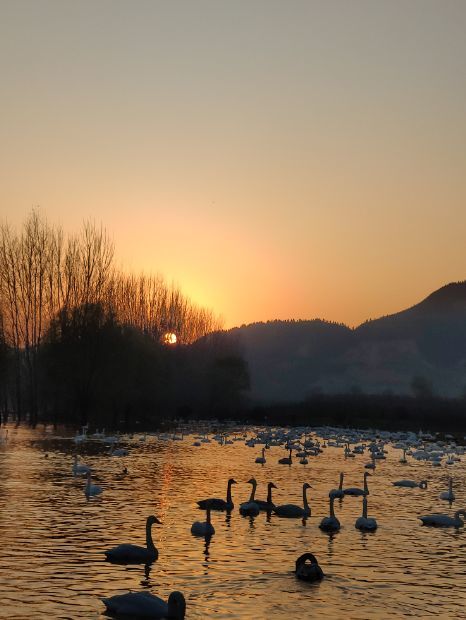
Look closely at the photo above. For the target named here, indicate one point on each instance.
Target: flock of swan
(300, 444)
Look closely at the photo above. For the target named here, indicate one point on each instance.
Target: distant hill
(421, 348)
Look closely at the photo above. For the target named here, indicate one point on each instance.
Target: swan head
(423, 484)
(307, 556)
(366, 473)
(152, 519)
(232, 481)
(460, 512)
(252, 481)
(306, 485)
(271, 485)
(176, 605)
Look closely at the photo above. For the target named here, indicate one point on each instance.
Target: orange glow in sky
(276, 160)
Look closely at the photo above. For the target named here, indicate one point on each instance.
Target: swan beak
(233, 481)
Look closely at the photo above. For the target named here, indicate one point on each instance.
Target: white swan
(411, 484)
(146, 605)
(134, 554)
(250, 508)
(294, 511)
(216, 503)
(203, 528)
(308, 569)
(91, 489)
(356, 490)
(439, 520)
(331, 523)
(80, 469)
(365, 523)
(261, 459)
(448, 495)
(338, 492)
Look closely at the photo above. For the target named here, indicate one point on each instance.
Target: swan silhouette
(338, 492)
(91, 489)
(440, 520)
(147, 605)
(448, 495)
(294, 511)
(267, 504)
(331, 523)
(261, 459)
(134, 554)
(250, 508)
(219, 504)
(79, 469)
(287, 460)
(203, 528)
(354, 491)
(308, 569)
(411, 484)
(365, 523)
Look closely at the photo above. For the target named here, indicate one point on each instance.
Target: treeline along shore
(83, 342)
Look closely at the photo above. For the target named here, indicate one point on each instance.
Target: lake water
(52, 563)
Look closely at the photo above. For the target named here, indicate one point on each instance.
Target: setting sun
(169, 338)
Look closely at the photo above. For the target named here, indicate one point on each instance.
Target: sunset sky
(276, 159)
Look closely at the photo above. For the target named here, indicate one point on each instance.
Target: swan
(411, 484)
(250, 508)
(146, 605)
(286, 460)
(117, 451)
(308, 571)
(261, 459)
(267, 504)
(80, 469)
(203, 528)
(291, 510)
(338, 492)
(403, 458)
(444, 520)
(219, 504)
(91, 489)
(448, 495)
(356, 491)
(331, 523)
(133, 554)
(365, 523)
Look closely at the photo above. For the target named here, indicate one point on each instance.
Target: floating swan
(91, 489)
(357, 491)
(146, 605)
(286, 460)
(365, 523)
(268, 504)
(448, 495)
(219, 504)
(411, 484)
(134, 554)
(439, 520)
(291, 510)
(203, 528)
(261, 459)
(338, 492)
(250, 508)
(80, 469)
(331, 523)
(117, 451)
(308, 569)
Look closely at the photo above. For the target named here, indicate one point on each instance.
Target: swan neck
(149, 541)
(208, 516)
(341, 482)
(305, 502)
(366, 488)
(332, 512)
(229, 492)
(269, 495)
(364, 508)
(253, 491)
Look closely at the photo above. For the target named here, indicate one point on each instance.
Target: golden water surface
(53, 538)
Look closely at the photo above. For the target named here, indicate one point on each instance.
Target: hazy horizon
(277, 161)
